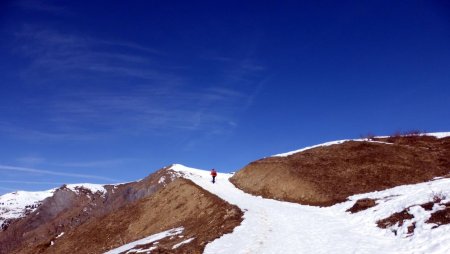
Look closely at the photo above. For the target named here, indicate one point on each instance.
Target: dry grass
(441, 217)
(327, 175)
(362, 204)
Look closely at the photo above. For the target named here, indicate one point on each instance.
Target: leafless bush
(368, 136)
(438, 197)
(413, 133)
(397, 134)
(410, 133)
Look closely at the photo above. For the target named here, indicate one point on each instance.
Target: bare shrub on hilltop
(368, 136)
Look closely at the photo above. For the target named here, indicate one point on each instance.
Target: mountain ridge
(127, 218)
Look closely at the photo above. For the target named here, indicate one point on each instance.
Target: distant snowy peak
(21, 203)
(434, 134)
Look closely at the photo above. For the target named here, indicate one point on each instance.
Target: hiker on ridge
(213, 174)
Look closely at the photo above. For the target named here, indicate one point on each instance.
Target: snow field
(13, 205)
(271, 226)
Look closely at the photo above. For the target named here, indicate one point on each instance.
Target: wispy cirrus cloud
(32, 182)
(7, 189)
(54, 173)
(40, 5)
(62, 53)
(134, 89)
(37, 134)
(30, 160)
(93, 164)
(87, 115)
(144, 110)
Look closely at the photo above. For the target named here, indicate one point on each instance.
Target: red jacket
(213, 172)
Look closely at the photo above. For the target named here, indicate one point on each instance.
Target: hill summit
(327, 174)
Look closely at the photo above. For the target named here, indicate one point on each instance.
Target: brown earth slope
(181, 203)
(327, 175)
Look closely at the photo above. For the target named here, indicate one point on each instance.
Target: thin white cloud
(145, 111)
(7, 189)
(30, 160)
(93, 164)
(38, 5)
(31, 182)
(17, 131)
(55, 173)
(158, 102)
(131, 45)
(57, 52)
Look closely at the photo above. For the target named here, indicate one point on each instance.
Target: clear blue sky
(109, 91)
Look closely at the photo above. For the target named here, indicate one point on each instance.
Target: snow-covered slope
(272, 226)
(434, 134)
(409, 197)
(20, 203)
(17, 204)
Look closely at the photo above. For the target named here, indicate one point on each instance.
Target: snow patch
(437, 134)
(144, 241)
(142, 250)
(408, 197)
(94, 188)
(183, 242)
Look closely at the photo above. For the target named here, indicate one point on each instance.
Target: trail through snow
(271, 226)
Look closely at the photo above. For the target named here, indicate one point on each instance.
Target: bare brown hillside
(327, 175)
(181, 203)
